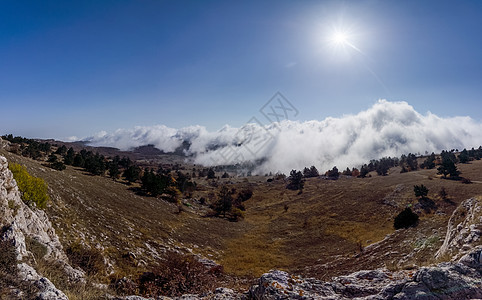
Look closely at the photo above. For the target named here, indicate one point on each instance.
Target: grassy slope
(320, 233)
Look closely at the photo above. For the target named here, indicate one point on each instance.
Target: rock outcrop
(460, 280)
(453, 280)
(18, 222)
(464, 230)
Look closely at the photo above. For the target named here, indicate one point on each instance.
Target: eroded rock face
(47, 290)
(464, 230)
(19, 221)
(460, 280)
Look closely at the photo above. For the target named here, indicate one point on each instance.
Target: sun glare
(342, 39)
(339, 38)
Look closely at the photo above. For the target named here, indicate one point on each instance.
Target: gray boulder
(459, 280)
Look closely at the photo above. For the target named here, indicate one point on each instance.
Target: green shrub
(33, 189)
(405, 219)
(420, 191)
(236, 214)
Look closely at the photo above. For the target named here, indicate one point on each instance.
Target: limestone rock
(18, 221)
(47, 290)
(464, 230)
(460, 280)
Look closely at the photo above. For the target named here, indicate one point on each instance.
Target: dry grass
(318, 233)
(254, 252)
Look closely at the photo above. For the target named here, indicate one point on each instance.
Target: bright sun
(342, 39)
(339, 38)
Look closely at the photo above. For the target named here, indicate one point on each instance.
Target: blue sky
(73, 68)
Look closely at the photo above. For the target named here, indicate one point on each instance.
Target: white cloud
(385, 129)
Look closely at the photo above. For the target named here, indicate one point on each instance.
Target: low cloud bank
(385, 129)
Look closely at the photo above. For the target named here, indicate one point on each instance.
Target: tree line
(446, 163)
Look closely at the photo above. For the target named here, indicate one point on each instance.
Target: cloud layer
(385, 129)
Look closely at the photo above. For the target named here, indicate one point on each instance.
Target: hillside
(333, 228)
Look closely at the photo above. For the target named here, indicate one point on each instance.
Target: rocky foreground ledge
(460, 280)
(454, 280)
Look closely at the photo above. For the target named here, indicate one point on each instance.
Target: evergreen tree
(132, 173)
(95, 164)
(61, 150)
(125, 162)
(364, 171)
(78, 160)
(69, 156)
(114, 171)
(429, 163)
(224, 201)
(310, 172)
(464, 156)
(347, 172)
(420, 191)
(58, 165)
(295, 180)
(52, 158)
(333, 173)
(448, 167)
(211, 174)
(155, 184)
(382, 169)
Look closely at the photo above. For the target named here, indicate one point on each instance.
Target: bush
(89, 260)
(405, 219)
(178, 275)
(420, 191)
(33, 189)
(236, 214)
(245, 194)
(58, 165)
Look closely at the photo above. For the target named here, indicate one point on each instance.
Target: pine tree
(224, 201)
(295, 180)
(211, 174)
(132, 173)
(420, 191)
(114, 168)
(69, 156)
